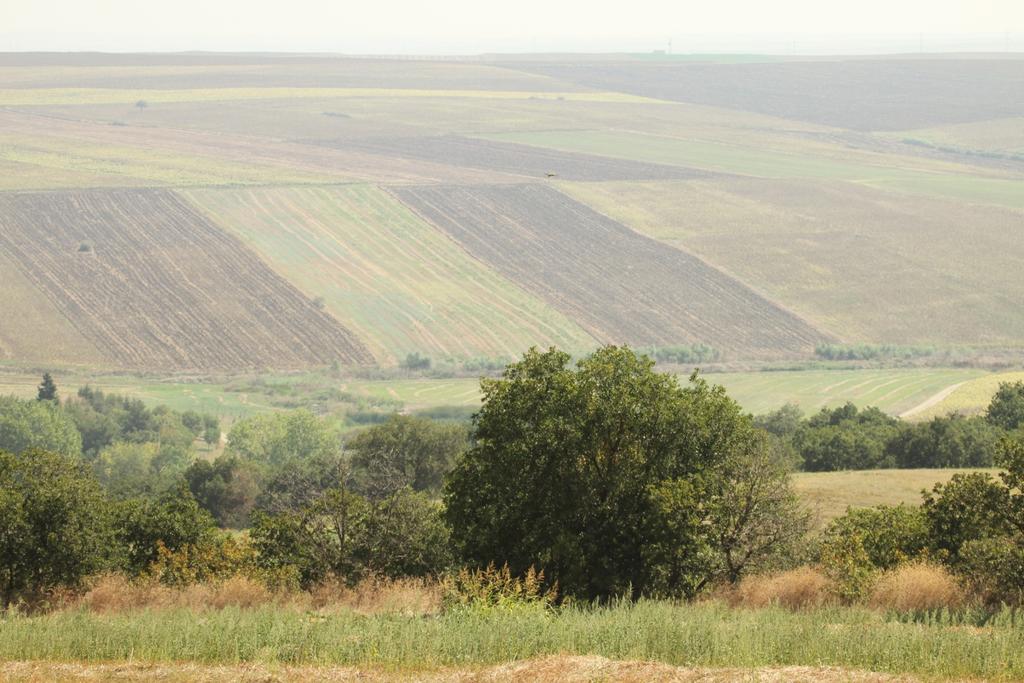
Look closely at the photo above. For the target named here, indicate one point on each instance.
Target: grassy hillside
(862, 264)
(829, 494)
(400, 284)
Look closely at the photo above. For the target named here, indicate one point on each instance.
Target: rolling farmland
(617, 285)
(907, 274)
(892, 390)
(400, 284)
(782, 213)
(935, 179)
(845, 93)
(152, 284)
(37, 331)
(524, 160)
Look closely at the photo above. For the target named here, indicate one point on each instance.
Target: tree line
(611, 477)
(848, 438)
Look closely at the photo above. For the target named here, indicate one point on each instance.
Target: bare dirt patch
(556, 669)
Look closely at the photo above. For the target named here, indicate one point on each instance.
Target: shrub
(800, 588)
(493, 587)
(916, 587)
(994, 568)
(889, 535)
(846, 562)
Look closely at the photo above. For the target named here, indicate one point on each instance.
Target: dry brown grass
(376, 595)
(114, 593)
(554, 669)
(917, 587)
(117, 593)
(800, 588)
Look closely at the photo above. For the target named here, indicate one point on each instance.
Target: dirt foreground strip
(563, 669)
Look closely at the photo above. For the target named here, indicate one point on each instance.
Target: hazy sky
(468, 26)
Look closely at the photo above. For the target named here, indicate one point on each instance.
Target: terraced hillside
(395, 280)
(617, 284)
(152, 284)
(525, 160)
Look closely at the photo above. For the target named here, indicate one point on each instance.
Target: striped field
(398, 282)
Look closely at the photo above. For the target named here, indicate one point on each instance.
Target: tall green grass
(939, 645)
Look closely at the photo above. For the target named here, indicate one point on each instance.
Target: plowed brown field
(152, 284)
(617, 284)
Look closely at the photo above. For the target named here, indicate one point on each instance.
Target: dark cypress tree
(47, 390)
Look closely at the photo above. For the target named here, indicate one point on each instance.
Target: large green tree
(405, 451)
(1007, 407)
(597, 474)
(275, 439)
(44, 425)
(54, 523)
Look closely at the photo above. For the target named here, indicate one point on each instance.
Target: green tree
(406, 536)
(756, 518)
(226, 488)
(405, 451)
(47, 389)
(978, 523)
(41, 425)
(1007, 407)
(54, 524)
(966, 508)
(783, 423)
(319, 540)
(281, 437)
(952, 441)
(173, 521)
(593, 474)
(846, 438)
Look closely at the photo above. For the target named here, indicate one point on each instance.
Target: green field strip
(892, 391)
(54, 162)
(971, 398)
(766, 163)
(13, 97)
(394, 279)
(210, 398)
